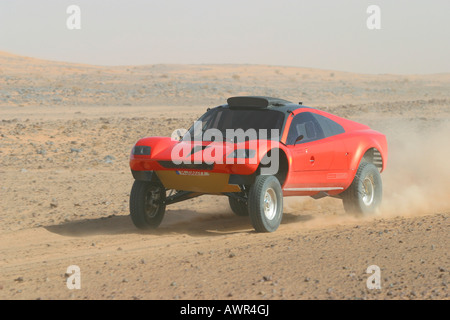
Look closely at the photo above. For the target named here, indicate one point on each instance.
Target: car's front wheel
(364, 195)
(147, 204)
(265, 204)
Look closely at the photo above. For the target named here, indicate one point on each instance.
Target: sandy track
(221, 258)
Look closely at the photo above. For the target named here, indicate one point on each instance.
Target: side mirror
(299, 138)
(178, 135)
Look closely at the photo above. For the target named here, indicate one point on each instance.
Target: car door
(337, 172)
(311, 154)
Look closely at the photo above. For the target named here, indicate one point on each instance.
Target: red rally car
(256, 150)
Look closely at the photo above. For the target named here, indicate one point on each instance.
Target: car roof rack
(259, 102)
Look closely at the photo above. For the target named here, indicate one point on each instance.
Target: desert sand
(66, 131)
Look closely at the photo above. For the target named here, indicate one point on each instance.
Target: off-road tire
(265, 203)
(364, 195)
(240, 208)
(147, 204)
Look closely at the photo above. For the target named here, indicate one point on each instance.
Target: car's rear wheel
(147, 204)
(364, 195)
(265, 204)
(240, 208)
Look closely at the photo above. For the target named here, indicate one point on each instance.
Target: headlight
(242, 154)
(141, 150)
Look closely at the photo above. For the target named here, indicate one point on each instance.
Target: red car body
(276, 148)
(326, 165)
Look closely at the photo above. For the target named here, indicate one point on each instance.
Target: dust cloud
(417, 178)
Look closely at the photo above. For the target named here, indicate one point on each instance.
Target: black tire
(364, 195)
(240, 208)
(147, 204)
(265, 218)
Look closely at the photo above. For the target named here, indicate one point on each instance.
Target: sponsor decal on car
(191, 173)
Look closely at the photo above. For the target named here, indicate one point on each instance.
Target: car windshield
(222, 119)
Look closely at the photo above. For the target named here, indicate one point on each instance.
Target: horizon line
(216, 64)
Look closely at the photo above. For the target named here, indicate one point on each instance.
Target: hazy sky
(327, 34)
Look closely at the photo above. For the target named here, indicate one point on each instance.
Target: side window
(330, 128)
(306, 125)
